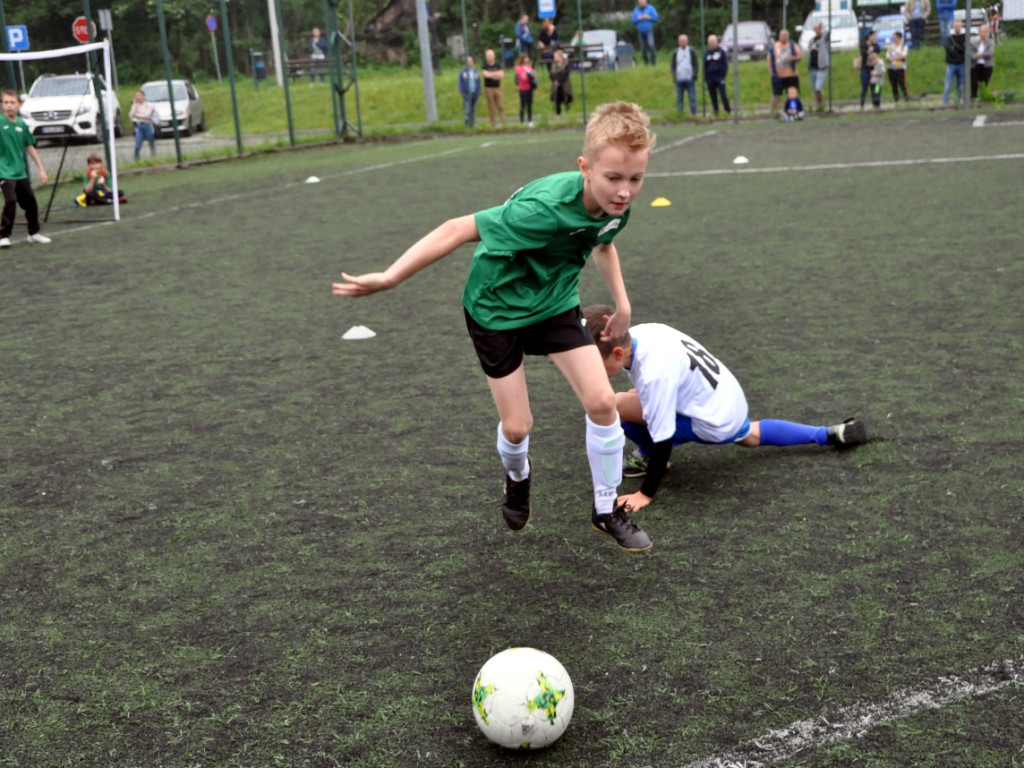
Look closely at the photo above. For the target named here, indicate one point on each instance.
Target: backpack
(533, 79)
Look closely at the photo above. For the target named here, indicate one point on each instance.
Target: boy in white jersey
(683, 394)
(522, 298)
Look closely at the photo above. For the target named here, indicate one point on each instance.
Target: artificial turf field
(228, 537)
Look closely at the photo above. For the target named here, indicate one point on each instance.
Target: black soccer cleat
(515, 507)
(848, 434)
(620, 526)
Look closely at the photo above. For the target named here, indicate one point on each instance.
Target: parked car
(67, 105)
(755, 39)
(845, 33)
(614, 54)
(886, 26)
(978, 17)
(188, 107)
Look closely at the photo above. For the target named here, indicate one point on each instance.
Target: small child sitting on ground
(96, 188)
(794, 107)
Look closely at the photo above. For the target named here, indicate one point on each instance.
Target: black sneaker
(851, 432)
(515, 507)
(618, 524)
(634, 464)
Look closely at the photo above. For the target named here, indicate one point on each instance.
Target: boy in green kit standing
(522, 298)
(15, 140)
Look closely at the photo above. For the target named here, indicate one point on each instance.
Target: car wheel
(118, 131)
(188, 127)
(202, 123)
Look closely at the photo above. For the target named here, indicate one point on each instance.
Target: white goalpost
(78, 50)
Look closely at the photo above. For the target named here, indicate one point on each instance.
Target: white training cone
(313, 180)
(740, 160)
(358, 332)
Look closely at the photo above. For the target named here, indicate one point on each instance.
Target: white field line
(979, 121)
(679, 143)
(858, 719)
(256, 192)
(835, 166)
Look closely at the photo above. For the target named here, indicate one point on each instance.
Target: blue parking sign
(17, 38)
(545, 9)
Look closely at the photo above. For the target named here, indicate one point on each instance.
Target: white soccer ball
(523, 698)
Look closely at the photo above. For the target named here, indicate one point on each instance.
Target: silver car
(188, 107)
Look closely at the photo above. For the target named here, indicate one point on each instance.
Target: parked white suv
(67, 105)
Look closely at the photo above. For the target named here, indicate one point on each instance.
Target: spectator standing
(317, 52)
(547, 39)
(144, 120)
(868, 47)
(782, 60)
(818, 58)
(493, 73)
(524, 39)
(561, 82)
(916, 12)
(17, 141)
(956, 47)
(469, 87)
(645, 16)
(684, 72)
(981, 59)
(526, 82)
(716, 68)
(945, 9)
(896, 60)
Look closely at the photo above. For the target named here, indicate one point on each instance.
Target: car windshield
(839, 20)
(753, 30)
(158, 92)
(64, 86)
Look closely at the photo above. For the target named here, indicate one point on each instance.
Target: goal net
(108, 113)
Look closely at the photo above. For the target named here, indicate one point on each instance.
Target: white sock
(513, 456)
(604, 451)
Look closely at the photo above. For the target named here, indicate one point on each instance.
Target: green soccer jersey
(14, 138)
(532, 249)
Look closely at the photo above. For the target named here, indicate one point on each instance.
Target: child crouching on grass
(96, 188)
(522, 298)
(682, 394)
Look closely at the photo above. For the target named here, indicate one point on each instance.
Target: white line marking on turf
(679, 143)
(835, 166)
(856, 720)
(979, 121)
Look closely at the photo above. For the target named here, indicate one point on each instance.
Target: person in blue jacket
(469, 87)
(945, 9)
(716, 67)
(644, 18)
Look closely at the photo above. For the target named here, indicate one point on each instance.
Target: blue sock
(776, 432)
(640, 436)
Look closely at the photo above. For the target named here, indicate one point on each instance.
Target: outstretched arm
(607, 260)
(39, 164)
(431, 247)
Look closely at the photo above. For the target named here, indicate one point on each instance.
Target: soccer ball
(523, 698)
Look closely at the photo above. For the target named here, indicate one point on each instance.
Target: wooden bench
(311, 67)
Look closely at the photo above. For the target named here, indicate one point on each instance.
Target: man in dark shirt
(716, 67)
(956, 44)
(493, 73)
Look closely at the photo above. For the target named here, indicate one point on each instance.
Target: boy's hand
(615, 325)
(43, 178)
(360, 285)
(634, 501)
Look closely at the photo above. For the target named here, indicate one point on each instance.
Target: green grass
(229, 538)
(392, 100)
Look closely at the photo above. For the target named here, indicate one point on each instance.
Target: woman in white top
(896, 59)
(144, 119)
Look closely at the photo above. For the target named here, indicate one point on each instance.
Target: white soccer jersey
(674, 374)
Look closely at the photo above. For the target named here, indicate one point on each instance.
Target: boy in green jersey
(522, 298)
(15, 140)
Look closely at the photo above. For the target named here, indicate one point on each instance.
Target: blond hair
(619, 123)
